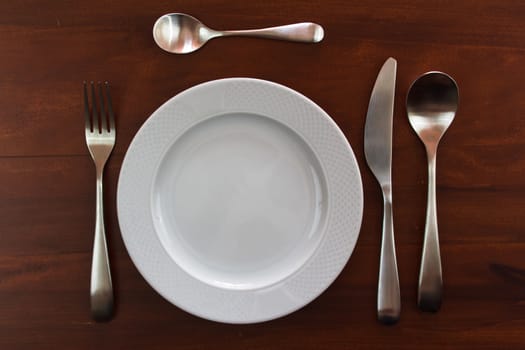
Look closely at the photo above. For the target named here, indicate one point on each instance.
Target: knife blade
(378, 154)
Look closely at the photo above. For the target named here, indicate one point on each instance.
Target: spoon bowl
(431, 105)
(181, 33)
(432, 102)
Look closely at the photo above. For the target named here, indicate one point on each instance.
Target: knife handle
(388, 296)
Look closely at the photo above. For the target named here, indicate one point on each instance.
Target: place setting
(240, 200)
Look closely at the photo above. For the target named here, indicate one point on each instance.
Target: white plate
(240, 200)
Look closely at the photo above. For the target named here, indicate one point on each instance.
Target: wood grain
(47, 178)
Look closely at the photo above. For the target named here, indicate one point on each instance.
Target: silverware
(432, 102)
(378, 153)
(100, 139)
(181, 33)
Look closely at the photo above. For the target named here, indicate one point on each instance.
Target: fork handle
(101, 287)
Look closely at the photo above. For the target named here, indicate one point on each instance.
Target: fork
(100, 139)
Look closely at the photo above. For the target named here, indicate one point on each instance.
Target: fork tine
(110, 109)
(103, 115)
(94, 109)
(87, 115)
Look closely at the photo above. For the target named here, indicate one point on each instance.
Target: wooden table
(47, 197)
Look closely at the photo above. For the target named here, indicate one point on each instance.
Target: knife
(378, 154)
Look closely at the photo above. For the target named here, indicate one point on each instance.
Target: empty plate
(240, 200)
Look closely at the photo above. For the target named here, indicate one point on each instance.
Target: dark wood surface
(47, 198)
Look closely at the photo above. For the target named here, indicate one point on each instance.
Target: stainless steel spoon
(432, 102)
(181, 33)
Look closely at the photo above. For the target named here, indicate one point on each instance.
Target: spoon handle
(306, 32)
(388, 296)
(430, 278)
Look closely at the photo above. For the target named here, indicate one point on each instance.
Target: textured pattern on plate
(345, 199)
